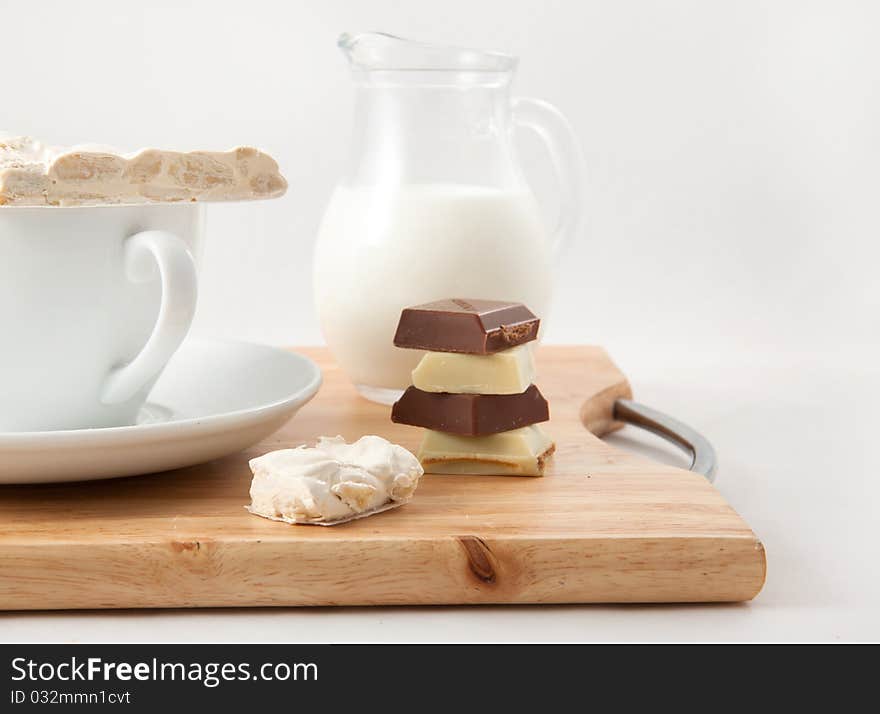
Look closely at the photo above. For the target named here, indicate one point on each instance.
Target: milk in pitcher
(380, 250)
(433, 202)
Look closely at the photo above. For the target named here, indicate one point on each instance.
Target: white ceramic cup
(93, 303)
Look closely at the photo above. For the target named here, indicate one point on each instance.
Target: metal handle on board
(703, 459)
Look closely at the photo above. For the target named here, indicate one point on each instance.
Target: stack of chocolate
(473, 389)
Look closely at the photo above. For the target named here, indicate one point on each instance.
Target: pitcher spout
(370, 51)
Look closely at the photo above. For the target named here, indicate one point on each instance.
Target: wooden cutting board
(601, 526)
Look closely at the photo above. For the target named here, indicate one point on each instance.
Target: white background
(728, 263)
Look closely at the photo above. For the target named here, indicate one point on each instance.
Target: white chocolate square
(519, 452)
(507, 372)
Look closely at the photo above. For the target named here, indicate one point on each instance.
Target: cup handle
(568, 161)
(142, 253)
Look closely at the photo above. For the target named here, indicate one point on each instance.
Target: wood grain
(601, 526)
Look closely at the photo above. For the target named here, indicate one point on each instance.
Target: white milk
(381, 250)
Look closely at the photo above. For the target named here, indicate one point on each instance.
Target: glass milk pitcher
(433, 203)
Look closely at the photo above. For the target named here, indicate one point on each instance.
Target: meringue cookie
(35, 174)
(333, 482)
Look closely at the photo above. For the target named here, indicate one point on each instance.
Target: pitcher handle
(568, 161)
(143, 252)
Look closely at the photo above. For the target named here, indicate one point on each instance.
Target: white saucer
(214, 398)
